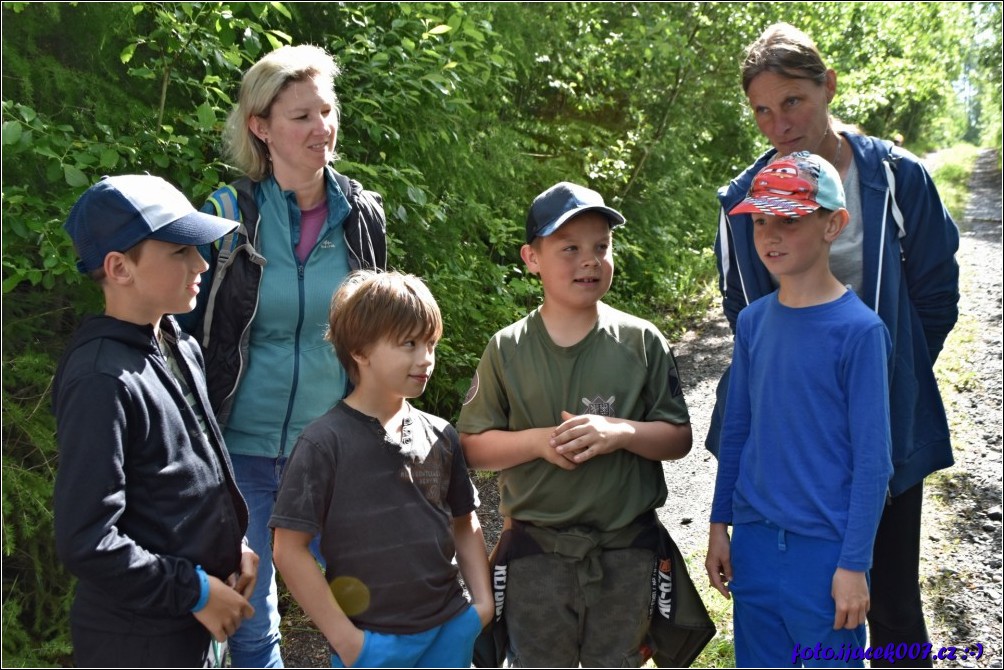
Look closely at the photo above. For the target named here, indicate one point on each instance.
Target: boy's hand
(350, 647)
(581, 437)
(244, 580)
(225, 611)
(554, 457)
(850, 595)
(718, 562)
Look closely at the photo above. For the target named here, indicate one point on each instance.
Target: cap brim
(774, 206)
(613, 216)
(194, 229)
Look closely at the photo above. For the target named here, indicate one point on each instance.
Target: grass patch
(951, 171)
(720, 652)
(954, 371)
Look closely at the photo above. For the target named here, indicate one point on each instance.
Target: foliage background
(458, 113)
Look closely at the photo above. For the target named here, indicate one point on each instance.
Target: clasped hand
(581, 437)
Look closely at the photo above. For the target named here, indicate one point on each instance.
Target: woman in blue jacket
(897, 254)
(263, 308)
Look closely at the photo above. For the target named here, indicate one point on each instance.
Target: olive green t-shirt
(623, 368)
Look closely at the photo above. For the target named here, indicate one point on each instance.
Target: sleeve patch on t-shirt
(675, 387)
(473, 390)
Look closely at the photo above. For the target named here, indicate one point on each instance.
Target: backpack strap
(345, 184)
(234, 202)
(225, 203)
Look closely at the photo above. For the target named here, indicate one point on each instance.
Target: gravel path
(961, 555)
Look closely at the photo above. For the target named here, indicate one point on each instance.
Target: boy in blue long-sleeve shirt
(805, 462)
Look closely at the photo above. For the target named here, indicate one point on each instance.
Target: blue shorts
(782, 597)
(449, 645)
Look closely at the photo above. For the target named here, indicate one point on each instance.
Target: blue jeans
(449, 645)
(256, 642)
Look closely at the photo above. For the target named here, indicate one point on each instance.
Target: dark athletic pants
(186, 648)
(897, 613)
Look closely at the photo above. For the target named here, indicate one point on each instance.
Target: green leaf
(272, 40)
(27, 113)
(285, 37)
(416, 195)
(206, 115)
(11, 133)
(12, 281)
(142, 72)
(127, 53)
(439, 30)
(109, 158)
(74, 177)
(279, 7)
(85, 157)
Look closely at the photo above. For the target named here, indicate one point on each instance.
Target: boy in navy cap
(576, 405)
(805, 460)
(147, 514)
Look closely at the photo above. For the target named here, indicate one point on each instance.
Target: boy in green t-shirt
(576, 405)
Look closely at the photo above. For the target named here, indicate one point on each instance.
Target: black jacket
(141, 496)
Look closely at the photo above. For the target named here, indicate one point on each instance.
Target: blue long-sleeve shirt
(909, 278)
(805, 440)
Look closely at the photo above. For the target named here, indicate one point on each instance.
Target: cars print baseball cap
(794, 186)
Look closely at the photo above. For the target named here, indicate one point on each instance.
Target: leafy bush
(459, 114)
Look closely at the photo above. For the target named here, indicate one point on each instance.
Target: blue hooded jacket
(910, 278)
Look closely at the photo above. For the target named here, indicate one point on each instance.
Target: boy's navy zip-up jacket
(141, 495)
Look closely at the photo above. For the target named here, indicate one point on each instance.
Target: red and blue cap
(794, 186)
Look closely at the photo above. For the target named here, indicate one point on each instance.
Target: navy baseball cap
(561, 202)
(119, 212)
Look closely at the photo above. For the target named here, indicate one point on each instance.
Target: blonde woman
(264, 301)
